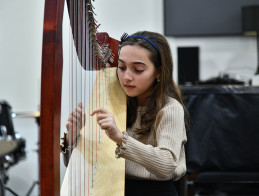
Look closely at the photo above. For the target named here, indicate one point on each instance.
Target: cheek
(147, 78)
(146, 82)
(120, 76)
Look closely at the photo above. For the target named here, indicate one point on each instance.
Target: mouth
(129, 86)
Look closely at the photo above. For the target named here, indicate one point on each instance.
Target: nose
(128, 75)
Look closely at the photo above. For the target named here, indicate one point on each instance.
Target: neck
(141, 101)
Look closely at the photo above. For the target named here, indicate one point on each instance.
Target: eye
(139, 70)
(121, 68)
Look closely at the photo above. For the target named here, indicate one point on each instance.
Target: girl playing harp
(153, 144)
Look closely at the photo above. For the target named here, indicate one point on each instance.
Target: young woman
(153, 144)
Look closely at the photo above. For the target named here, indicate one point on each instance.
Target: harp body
(93, 169)
(93, 160)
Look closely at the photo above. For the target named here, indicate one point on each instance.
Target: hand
(75, 121)
(106, 121)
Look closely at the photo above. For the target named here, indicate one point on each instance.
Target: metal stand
(3, 180)
(11, 191)
(2, 192)
(38, 152)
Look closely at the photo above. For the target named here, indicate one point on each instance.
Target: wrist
(119, 139)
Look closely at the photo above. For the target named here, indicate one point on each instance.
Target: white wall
(20, 52)
(234, 55)
(20, 59)
(20, 67)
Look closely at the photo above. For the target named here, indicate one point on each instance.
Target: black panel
(224, 128)
(204, 17)
(250, 18)
(188, 65)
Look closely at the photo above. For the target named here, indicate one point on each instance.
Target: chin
(130, 94)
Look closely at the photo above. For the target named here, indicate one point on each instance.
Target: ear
(158, 73)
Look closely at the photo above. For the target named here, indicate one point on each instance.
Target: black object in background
(250, 19)
(222, 147)
(222, 79)
(224, 133)
(8, 137)
(203, 17)
(6, 118)
(12, 146)
(188, 65)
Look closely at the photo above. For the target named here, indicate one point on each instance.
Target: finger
(105, 120)
(77, 115)
(79, 109)
(81, 112)
(67, 125)
(102, 116)
(99, 110)
(80, 104)
(74, 114)
(96, 111)
(70, 119)
(106, 126)
(73, 122)
(73, 118)
(70, 126)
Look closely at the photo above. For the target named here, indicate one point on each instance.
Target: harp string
(71, 59)
(84, 65)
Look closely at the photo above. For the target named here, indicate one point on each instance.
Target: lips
(129, 86)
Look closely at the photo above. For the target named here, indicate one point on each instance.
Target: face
(136, 72)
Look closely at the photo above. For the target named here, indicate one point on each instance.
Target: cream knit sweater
(159, 155)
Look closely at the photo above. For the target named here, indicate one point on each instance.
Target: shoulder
(171, 109)
(172, 104)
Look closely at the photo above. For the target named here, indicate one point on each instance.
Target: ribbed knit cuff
(120, 150)
(63, 144)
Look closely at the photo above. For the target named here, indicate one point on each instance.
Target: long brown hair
(162, 59)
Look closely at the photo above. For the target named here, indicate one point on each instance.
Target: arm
(162, 160)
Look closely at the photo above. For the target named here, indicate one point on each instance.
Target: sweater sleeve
(163, 159)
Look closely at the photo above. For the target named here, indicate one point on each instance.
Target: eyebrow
(137, 62)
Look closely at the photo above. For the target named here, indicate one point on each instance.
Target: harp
(51, 85)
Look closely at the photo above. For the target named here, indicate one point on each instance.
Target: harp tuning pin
(124, 37)
(91, 12)
(90, 4)
(112, 57)
(97, 25)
